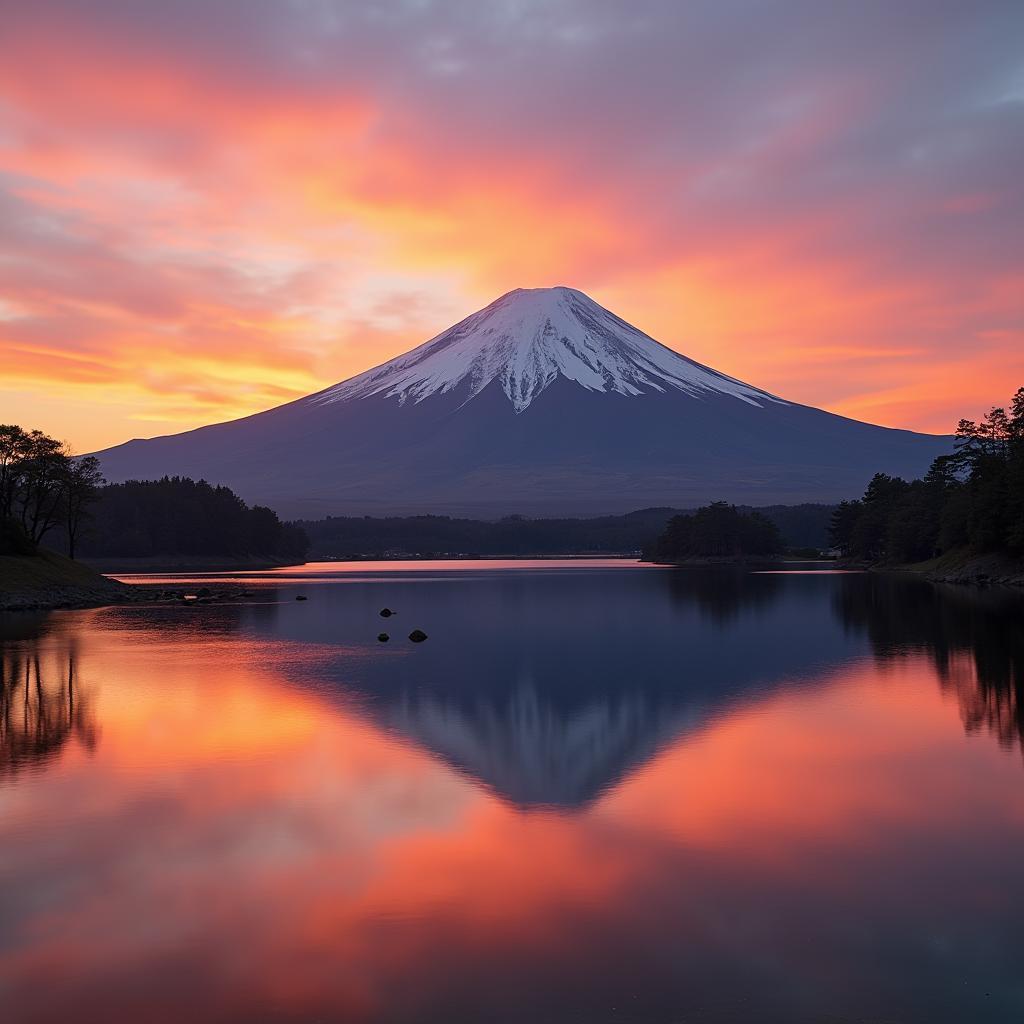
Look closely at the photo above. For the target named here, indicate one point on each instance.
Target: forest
(48, 495)
(718, 530)
(179, 516)
(437, 536)
(44, 491)
(972, 499)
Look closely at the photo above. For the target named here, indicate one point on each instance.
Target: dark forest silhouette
(43, 490)
(970, 500)
(178, 516)
(347, 537)
(718, 530)
(46, 494)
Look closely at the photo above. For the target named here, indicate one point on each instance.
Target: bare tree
(43, 479)
(83, 481)
(15, 447)
(42, 487)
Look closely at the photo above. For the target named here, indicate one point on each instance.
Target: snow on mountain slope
(527, 339)
(543, 403)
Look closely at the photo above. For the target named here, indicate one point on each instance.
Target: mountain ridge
(542, 403)
(526, 338)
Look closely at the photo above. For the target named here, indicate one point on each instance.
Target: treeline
(972, 499)
(178, 516)
(46, 494)
(435, 536)
(43, 490)
(718, 530)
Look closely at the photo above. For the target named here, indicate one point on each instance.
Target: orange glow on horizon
(191, 240)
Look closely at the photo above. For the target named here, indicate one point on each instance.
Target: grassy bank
(49, 580)
(184, 563)
(965, 566)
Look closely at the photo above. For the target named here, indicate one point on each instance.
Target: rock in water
(417, 636)
(383, 637)
(386, 613)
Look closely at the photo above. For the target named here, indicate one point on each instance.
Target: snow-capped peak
(528, 338)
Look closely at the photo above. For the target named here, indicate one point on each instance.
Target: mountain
(543, 402)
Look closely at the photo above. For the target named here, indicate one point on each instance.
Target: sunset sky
(210, 207)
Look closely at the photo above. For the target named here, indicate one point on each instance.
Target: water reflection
(532, 753)
(975, 640)
(551, 693)
(723, 594)
(539, 729)
(42, 705)
(668, 803)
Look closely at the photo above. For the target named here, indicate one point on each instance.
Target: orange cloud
(209, 226)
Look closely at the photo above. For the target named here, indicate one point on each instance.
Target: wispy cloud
(822, 199)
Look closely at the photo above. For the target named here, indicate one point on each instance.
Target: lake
(598, 792)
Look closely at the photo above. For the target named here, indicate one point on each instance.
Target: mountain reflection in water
(555, 714)
(603, 794)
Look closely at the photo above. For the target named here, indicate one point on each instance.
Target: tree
(13, 538)
(14, 450)
(718, 530)
(973, 498)
(1015, 476)
(841, 526)
(82, 483)
(176, 516)
(32, 480)
(41, 487)
(869, 534)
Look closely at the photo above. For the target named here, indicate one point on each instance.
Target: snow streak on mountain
(543, 403)
(527, 339)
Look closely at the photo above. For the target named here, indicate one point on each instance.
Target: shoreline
(46, 581)
(965, 569)
(729, 560)
(132, 566)
(50, 582)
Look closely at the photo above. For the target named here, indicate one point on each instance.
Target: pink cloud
(314, 195)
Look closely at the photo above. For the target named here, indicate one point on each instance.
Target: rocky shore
(974, 570)
(48, 580)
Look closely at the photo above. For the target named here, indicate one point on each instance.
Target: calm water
(598, 792)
